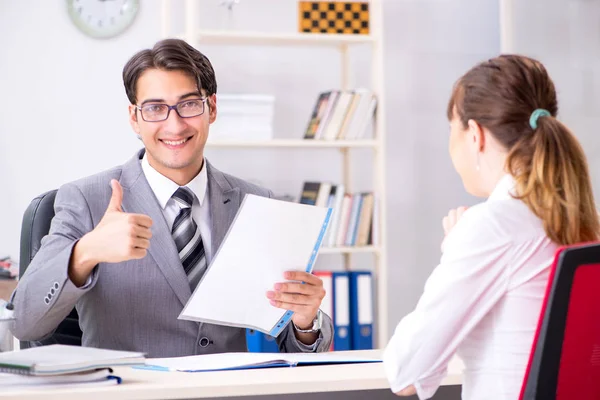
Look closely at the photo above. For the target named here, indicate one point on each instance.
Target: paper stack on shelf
(243, 117)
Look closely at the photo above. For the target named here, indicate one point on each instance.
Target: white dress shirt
(164, 188)
(482, 302)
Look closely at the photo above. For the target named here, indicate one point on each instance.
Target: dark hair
(547, 162)
(170, 55)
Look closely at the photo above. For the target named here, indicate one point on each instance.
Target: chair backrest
(36, 225)
(565, 357)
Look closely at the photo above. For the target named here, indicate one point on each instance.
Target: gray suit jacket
(132, 305)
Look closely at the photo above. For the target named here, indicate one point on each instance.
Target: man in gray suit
(128, 246)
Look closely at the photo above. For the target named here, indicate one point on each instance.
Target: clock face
(103, 18)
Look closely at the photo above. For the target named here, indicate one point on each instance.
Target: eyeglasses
(156, 112)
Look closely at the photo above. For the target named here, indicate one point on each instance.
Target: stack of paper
(243, 117)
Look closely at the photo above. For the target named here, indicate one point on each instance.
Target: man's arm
(64, 268)
(45, 295)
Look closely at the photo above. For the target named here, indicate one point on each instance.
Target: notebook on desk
(232, 361)
(98, 377)
(60, 359)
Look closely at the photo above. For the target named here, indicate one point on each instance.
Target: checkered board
(345, 17)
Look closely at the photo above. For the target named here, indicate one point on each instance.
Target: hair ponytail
(552, 178)
(514, 98)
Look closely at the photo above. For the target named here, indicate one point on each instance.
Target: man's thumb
(117, 196)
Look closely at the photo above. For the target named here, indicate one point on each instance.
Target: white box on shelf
(243, 117)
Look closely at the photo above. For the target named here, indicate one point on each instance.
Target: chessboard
(342, 17)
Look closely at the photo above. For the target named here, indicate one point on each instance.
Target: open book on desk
(232, 361)
(266, 238)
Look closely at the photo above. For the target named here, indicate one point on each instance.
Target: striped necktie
(186, 235)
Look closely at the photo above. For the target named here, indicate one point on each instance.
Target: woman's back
(482, 302)
(497, 350)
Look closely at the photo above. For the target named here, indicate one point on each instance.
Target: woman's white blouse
(482, 302)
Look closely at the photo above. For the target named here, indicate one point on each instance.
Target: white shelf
(276, 39)
(350, 250)
(293, 143)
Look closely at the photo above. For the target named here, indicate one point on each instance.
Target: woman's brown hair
(546, 160)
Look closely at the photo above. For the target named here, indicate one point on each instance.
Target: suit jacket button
(204, 342)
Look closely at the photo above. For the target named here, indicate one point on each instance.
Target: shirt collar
(164, 188)
(505, 188)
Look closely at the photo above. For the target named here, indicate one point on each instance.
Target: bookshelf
(291, 143)
(194, 35)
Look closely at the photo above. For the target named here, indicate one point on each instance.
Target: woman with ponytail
(484, 298)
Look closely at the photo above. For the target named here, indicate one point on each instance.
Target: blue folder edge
(288, 315)
(117, 378)
(259, 366)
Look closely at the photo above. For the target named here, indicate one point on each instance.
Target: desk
(144, 384)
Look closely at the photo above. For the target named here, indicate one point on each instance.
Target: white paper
(267, 238)
(223, 361)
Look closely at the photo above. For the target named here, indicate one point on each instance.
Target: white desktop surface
(145, 384)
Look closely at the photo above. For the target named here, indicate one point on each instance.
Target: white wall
(65, 109)
(565, 36)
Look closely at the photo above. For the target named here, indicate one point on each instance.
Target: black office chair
(36, 225)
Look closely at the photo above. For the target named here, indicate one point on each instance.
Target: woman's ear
(476, 135)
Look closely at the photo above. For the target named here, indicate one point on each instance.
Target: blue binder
(341, 311)
(254, 341)
(258, 342)
(269, 344)
(361, 308)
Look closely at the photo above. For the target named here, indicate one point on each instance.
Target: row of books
(349, 301)
(354, 218)
(341, 115)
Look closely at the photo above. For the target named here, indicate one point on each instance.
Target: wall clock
(103, 18)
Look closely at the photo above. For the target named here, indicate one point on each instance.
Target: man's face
(175, 146)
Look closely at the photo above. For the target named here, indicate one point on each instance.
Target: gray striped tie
(187, 237)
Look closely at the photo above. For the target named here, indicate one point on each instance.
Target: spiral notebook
(58, 359)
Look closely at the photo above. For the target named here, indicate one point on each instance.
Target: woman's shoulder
(507, 217)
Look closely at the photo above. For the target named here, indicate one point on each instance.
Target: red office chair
(565, 356)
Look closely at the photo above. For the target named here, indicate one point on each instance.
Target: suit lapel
(139, 198)
(224, 203)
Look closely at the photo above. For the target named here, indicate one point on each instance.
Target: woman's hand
(452, 218)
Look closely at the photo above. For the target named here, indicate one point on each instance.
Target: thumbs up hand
(121, 236)
(117, 196)
(118, 237)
